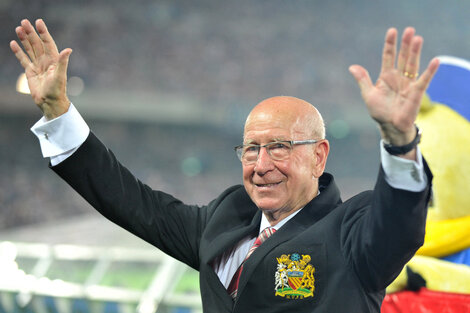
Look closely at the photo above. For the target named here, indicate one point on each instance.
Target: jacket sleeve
(156, 217)
(383, 230)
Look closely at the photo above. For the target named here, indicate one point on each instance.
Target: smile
(267, 185)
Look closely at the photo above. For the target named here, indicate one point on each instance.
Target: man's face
(279, 187)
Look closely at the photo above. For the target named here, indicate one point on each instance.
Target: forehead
(268, 126)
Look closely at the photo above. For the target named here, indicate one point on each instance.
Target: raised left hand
(394, 101)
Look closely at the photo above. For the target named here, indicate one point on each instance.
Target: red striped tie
(233, 287)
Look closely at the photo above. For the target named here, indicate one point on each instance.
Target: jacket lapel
(225, 241)
(287, 232)
(236, 218)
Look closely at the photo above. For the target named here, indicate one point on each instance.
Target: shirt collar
(265, 223)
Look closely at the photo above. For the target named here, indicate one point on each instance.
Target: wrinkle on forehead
(288, 113)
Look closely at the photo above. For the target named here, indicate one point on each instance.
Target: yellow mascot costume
(444, 259)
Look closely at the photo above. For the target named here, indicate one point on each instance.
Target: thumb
(362, 78)
(64, 56)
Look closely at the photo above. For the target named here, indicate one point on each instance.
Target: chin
(267, 205)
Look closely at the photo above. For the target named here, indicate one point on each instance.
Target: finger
(412, 64)
(405, 46)
(425, 79)
(362, 78)
(50, 47)
(20, 32)
(33, 38)
(390, 50)
(19, 54)
(410, 110)
(418, 89)
(64, 56)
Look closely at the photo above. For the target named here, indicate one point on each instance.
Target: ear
(321, 151)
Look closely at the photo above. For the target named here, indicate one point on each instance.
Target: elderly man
(285, 241)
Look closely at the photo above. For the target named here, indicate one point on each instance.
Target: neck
(275, 217)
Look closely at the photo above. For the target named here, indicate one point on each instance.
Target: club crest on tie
(294, 276)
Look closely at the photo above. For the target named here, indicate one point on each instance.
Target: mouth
(267, 185)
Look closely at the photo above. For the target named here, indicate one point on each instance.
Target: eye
(249, 149)
(278, 146)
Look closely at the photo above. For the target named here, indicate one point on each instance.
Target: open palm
(394, 100)
(45, 67)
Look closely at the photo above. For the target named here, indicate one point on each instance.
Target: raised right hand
(45, 67)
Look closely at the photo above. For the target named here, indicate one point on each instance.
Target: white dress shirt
(61, 137)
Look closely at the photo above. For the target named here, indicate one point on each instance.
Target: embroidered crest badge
(294, 276)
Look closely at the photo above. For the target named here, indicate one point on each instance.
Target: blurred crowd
(225, 52)
(193, 164)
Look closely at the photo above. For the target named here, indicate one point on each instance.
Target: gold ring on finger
(409, 75)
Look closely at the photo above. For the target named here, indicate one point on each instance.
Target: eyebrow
(254, 142)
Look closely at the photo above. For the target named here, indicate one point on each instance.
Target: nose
(264, 163)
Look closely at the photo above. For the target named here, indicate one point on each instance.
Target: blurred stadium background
(167, 86)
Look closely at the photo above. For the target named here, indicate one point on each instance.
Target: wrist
(52, 109)
(404, 149)
(397, 137)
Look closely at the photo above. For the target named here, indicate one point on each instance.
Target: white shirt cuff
(404, 174)
(61, 135)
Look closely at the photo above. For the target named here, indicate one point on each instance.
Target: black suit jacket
(355, 249)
